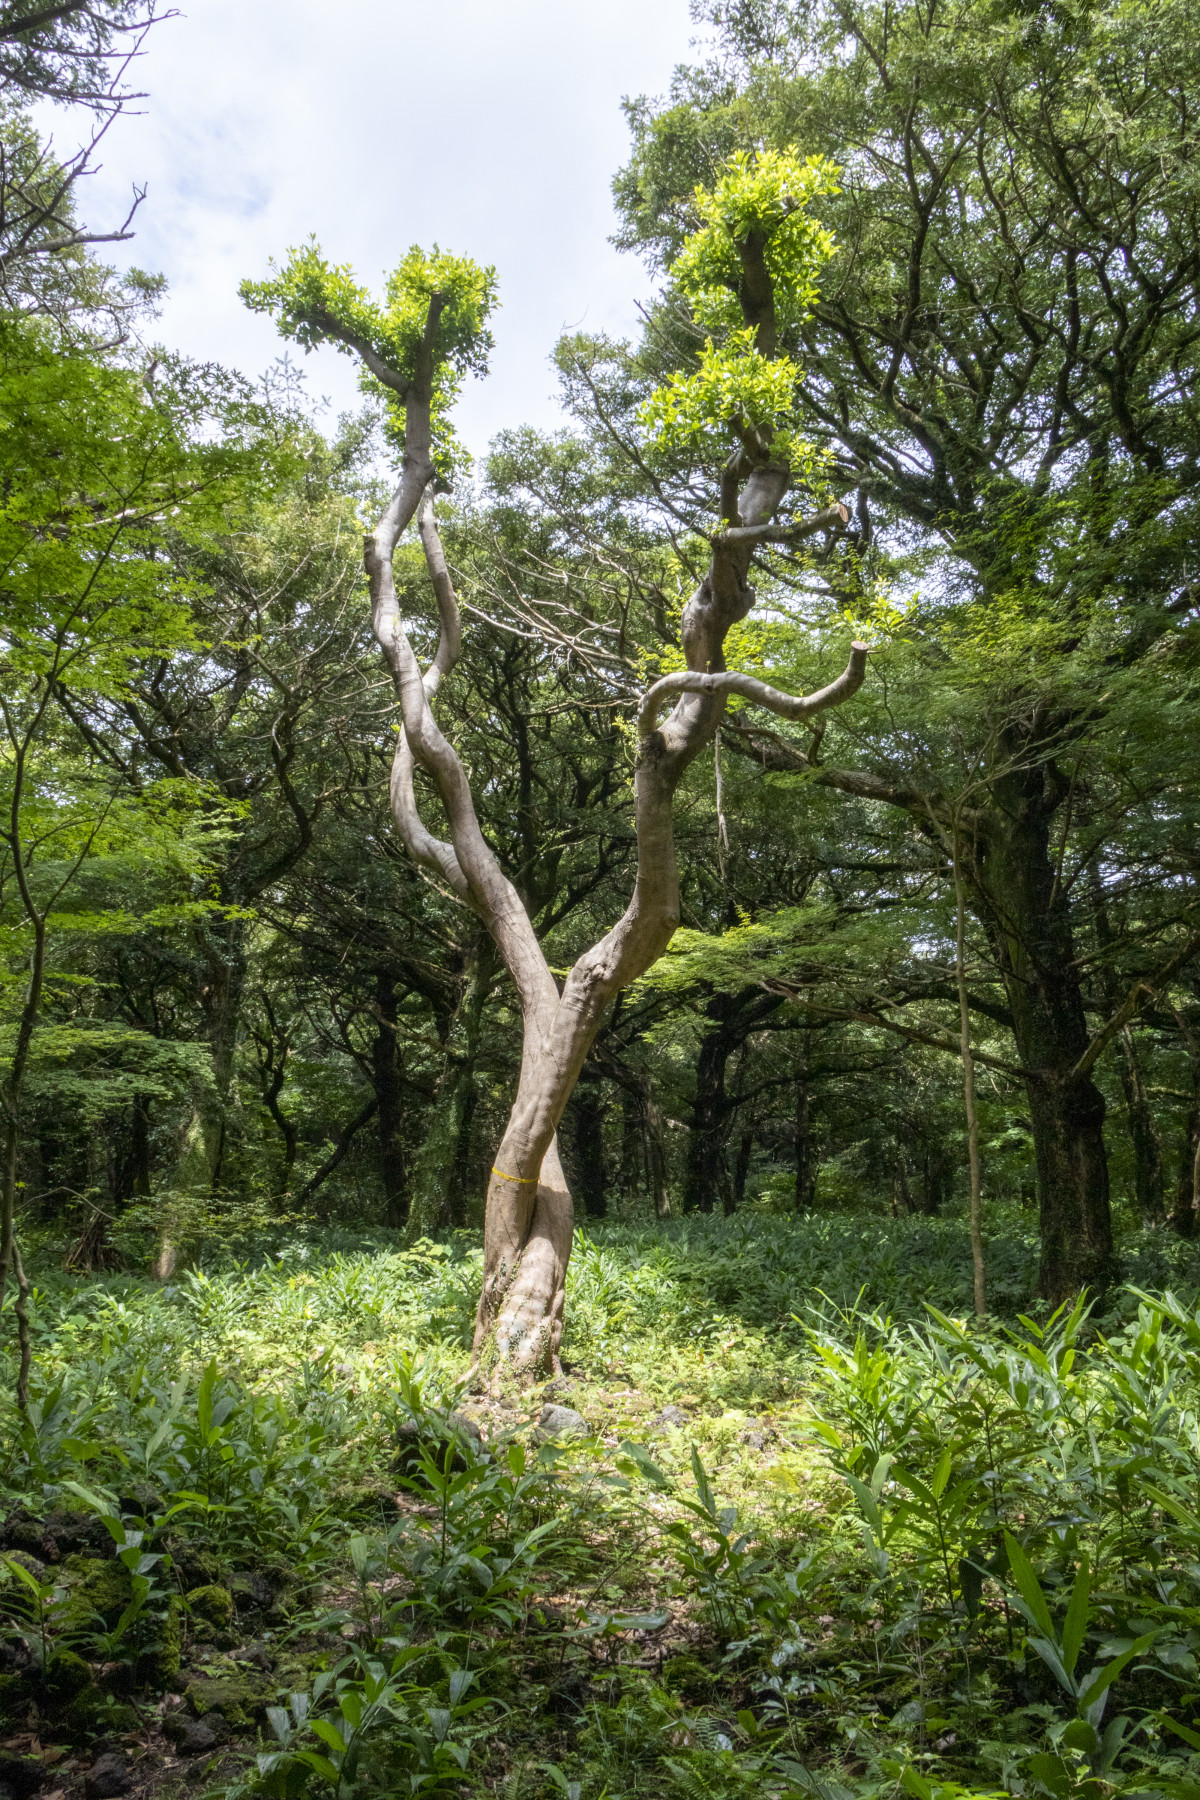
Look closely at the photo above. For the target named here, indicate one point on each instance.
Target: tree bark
(1185, 1215)
(644, 1111)
(706, 1182)
(1149, 1186)
(437, 1196)
(588, 1143)
(935, 1173)
(385, 1072)
(1012, 888)
(975, 1214)
(529, 1218)
(806, 1162)
(656, 1155)
(741, 1168)
(1148, 1178)
(1024, 908)
(632, 1170)
(221, 1006)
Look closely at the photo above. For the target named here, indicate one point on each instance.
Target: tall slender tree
(759, 238)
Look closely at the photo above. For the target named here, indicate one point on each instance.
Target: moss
(688, 1676)
(66, 1676)
(94, 1714)
(213, 1604)
(158, 1664)
(240, 1698)
(98, 1588)
(14, 1696)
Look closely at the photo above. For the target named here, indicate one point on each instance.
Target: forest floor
(259, 1538)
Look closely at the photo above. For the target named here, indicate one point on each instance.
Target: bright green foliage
(961, 1565)
(94, 470)
(766, 195)
(316, 302)
(735, 387)
(101, 472)
(760, 201)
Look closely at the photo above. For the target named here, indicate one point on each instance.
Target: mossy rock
(53, 1537)
(65, 1676)
(688, 1676)
(21, 1775)
(433, 1435)
(194, 1567)
(98, 1589)
(14, 1697)
(364, 1499)
(252, 1591)
(213, 1604)
(143, 1499)
(239, 1697)
(94, 1714)
(159, 1664)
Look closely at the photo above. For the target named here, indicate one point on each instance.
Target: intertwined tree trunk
(529, 1220)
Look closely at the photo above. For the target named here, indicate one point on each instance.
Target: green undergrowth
(817, 1534)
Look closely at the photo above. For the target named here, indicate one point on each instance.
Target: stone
(670, 1415)
(432, 1434)
(97, 1588)
(93, 1714)
(191, 1737)
(193, 1567)
(21, 1775)
(161, 1661)
(753, 1440)
(237, 1695)
(14, 1697)
(252, 1591)
(60, 1533)
(213, 1604)
(562, 1421)
(143, 1500)
(687, 1676)
(65, 1676)
(108, 1777)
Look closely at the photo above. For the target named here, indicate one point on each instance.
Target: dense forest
(600, 1042)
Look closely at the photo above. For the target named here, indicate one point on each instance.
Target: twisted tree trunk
(529, 1219)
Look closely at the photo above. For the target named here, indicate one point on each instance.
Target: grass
(822, 1537)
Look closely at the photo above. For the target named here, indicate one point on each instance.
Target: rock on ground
(562, 1421)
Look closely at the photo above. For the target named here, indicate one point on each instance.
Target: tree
(1002, 361)
(92, 465)
(429, 333)
(76, 53)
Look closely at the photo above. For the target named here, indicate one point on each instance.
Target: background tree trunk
(935, 1180)
(587, 1108)
(385, 1074)
(805, 1149)
(706, 1182)
(631, 1174)
(439, 1167)
(1023, 907)
(1185, 1215)
(741, 1168)
(1148, 1179)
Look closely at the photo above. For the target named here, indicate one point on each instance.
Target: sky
(491, 126)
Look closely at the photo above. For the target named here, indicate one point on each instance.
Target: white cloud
(493, 128)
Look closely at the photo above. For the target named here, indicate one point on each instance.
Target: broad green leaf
(1029, 1585)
